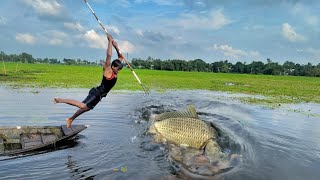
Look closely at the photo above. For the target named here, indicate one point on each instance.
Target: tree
(27, 57)
(137, 63)
(288, 68)
(167, 65)
(157, 64)
(69, 61)
(272, 68)
(256, 67)
(54, 61)
(239, 67)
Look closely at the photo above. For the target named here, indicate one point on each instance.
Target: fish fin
(211, 148)
(191, 110)
(205, 146)
(189, 113)
(159, 139)
(152, 129)
(217, 131)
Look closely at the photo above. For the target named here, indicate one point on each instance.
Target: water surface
(282, 143)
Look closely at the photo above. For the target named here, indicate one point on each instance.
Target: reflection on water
(274, 143)
(76, 170)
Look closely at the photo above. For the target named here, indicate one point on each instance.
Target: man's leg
(72, 102)
(75, 115)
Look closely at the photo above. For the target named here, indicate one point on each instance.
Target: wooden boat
(23, 139)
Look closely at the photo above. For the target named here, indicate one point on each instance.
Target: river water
(281, 143)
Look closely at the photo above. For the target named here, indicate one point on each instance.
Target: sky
(211, 30)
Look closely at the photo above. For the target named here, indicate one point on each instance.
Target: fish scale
(185, 131)
(191, 113)
(184, 128)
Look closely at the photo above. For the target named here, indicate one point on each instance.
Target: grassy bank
(279, 89)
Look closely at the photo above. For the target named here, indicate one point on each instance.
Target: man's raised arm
(109, 51)
(115, 45)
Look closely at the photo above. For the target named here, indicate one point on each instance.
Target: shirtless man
(109, 79)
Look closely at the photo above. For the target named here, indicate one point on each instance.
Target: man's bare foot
(69, 122)
(56, 100)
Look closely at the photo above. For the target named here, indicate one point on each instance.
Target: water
(281, 143)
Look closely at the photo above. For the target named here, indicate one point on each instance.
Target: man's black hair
(117, 63)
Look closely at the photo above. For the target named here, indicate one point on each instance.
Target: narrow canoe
(22, 139)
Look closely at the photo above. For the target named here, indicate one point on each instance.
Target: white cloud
(94, 40)
(123, 3)
(304, 12)
(139, 32)
(289, 33)
(56, 33)
(3, 20)
(74, 26)
(161, 2)
(113, 29)
(25, 38)
(52, 37)
(154, 37)
(78, 27)
(126, 46)
(254, 27)
(229, 51)
(312, 51)
(99, 1)
(55, 41)
(97, 41)
(218, 19)
(57, 37)
(312, 20)
(45, 7)
(215, 20)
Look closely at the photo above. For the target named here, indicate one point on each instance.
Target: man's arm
(115, 45)
(109, 52)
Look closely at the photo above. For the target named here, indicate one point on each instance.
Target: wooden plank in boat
(30, 140)
(48, 138)
(31, 144)
(30, 137)
(67, 131)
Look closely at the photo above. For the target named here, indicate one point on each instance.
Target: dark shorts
(93, 98)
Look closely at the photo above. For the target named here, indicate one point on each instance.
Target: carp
(184, 128)
(192, 141)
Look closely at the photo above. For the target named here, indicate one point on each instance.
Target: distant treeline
(255, 67)
(27, 58)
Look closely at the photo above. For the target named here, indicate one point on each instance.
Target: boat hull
(23, 139)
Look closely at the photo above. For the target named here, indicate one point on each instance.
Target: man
(110, 72)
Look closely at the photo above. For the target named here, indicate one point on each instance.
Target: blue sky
(211, 30)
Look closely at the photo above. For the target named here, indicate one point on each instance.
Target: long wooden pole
(135, 75)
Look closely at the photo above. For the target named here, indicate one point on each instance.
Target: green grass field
(278, 89)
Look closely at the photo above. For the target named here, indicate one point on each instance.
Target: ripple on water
(275, 143)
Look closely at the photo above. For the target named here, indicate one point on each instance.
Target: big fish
(184, 128)
(193, 142)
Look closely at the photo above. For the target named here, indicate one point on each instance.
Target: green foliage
(279, 89)
(198, 65)
(255, 67)
(27, 58)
